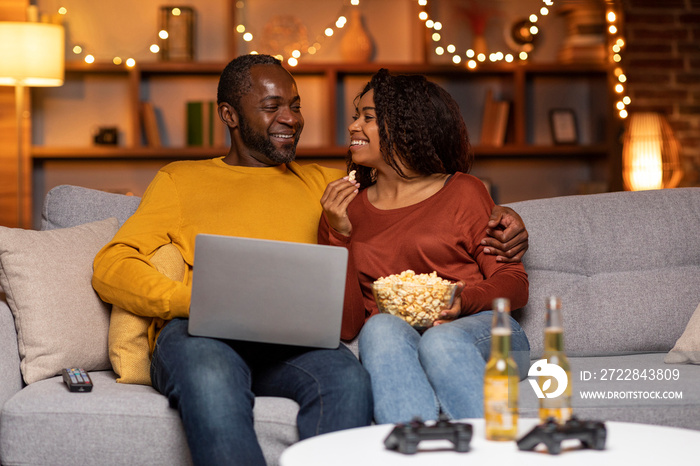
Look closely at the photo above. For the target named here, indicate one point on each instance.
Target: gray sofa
(626, 265)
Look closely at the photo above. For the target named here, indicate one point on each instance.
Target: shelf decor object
(177, 33)
(356, 45)
(31, 55)
(650, 157)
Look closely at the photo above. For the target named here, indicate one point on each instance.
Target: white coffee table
(627, 443)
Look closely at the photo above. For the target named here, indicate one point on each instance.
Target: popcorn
(416, 298)
(351, 176)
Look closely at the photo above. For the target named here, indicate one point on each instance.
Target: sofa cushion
(117, 424)
(60, 320)
(687, 348)
(129, 349)
(68, 206)
(626, 266)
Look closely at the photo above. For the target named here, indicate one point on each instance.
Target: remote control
(77, 379)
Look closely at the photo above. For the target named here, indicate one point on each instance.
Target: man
(258, 191)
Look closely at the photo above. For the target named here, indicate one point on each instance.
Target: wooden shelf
(175, 153)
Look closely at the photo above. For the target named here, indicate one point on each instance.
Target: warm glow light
(422, 2)
(437, 26)
(616, 48)
(247, 37)
(623, 114)
(130, 62)
(354, 2)
(611, 17)
(451, 48)
(279, 57)
(456, 59)
(617, 58)
(522, 55)
(292, 61)
(439, 51)
(620, 105)
(544, 11)
(612, 29)
(77, 50)
(341, 22)
(619, 88)
(481, 57)
(176, 11)
(470, 53)
(471, 64)
(31, 54)
(163, 34)
(626, 100)
(240, 28)
(62, 10)
(117, 60)
(509, 58)
(429, 24)
(622, 78)
(533, 18)
(328, 32)
(154, 48)
(436, 37)
(422, 15)
(312, 50)
(650, 154)
(89, 59)
(620, 42)
(296, 53)
(534, 30)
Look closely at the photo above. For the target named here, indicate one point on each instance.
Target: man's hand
(507, 237)
(335, 201)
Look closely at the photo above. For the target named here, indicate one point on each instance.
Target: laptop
(267, 291)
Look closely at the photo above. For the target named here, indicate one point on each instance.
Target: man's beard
(260, 143)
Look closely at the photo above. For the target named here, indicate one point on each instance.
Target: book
(150, 125)
(204, 128)
(495, 121)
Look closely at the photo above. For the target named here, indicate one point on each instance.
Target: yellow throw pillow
(129, 350)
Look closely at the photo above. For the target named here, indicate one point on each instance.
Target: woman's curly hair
(420, 126)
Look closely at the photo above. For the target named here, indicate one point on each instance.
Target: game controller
(592, 434)
(406, 437)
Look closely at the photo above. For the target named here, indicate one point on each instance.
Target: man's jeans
(443, 369)
(213, 384)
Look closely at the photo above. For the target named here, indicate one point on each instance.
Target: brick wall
(662, 63)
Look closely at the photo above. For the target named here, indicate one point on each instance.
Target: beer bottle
(501, 379)
(558, 407)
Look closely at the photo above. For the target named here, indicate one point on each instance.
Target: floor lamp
(31, 55)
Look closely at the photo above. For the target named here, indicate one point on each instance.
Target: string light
(493, 57)
(617, 45)
(329, 31)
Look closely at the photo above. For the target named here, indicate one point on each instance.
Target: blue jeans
(416, 375)
(213, 384)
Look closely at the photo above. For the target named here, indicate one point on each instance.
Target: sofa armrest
(11, 379)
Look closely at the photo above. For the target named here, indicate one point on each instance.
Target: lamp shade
(31, 54)
(650, 155)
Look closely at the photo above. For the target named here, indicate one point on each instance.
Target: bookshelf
(327, 90)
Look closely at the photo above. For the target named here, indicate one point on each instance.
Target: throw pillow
(129, 350)
(46, 276)
(687, 347)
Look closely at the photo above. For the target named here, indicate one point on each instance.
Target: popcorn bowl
(419, 304)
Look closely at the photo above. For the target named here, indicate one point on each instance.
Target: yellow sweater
(208, 196)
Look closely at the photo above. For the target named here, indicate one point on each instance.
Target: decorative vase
(356, 45)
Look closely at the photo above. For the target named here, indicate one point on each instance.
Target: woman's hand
(452, 313)
(335, 201)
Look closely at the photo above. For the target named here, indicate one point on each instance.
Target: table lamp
(31, 54)
(650, 155)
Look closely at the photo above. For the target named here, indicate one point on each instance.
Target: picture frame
(178, 21)
(562, 122)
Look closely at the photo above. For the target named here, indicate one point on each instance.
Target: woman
(418, 209)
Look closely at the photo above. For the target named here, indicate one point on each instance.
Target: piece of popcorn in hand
(351, 176)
